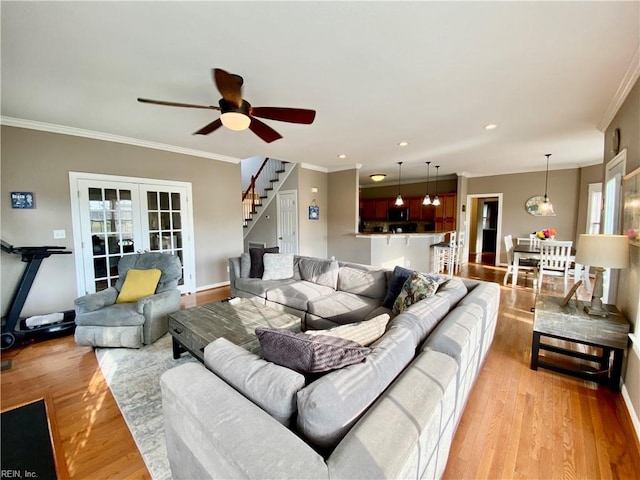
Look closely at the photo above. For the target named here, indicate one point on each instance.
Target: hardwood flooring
(518, 423)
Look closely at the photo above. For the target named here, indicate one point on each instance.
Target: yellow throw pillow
(138, 284)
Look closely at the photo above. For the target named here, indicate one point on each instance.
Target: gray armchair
(101, 322)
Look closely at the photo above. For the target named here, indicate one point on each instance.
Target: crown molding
(107, 137)
(341, 168)
(310, 166)
(628, 81)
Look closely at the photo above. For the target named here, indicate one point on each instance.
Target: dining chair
(526, 264)
(534, 240)
(555, 260)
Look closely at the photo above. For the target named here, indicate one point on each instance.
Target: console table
(572, 324)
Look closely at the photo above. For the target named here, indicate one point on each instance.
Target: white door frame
(467, 227)
(297, 221)
(611, 219)
(189, 249)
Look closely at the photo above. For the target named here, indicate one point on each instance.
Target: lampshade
(235, 120)
(377, 177)
(608, 251)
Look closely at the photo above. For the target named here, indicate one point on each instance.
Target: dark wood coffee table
(194, 328)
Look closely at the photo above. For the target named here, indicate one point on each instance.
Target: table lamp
(601, 251)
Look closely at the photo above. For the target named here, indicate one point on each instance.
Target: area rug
(133, 375)
(26, 442)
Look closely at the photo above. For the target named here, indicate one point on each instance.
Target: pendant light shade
(399, 201)
(427, 198)
(436, 200)
(546, 207)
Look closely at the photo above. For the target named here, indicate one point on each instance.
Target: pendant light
(436, 200)
(399, 201)
(546, 207)
(427, 198)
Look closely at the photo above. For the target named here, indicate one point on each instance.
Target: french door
(118, 216)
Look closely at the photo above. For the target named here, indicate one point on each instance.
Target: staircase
(262, 190)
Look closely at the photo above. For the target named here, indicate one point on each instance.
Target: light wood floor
(518, 423)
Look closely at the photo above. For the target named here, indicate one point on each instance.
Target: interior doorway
(484, 228)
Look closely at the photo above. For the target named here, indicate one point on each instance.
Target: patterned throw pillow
(416, 288)
(277, 266)
(306, 354)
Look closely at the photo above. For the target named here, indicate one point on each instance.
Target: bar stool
(445, 255)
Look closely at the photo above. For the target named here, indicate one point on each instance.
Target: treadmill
(14, 329)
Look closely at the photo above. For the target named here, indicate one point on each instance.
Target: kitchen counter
(409, 250)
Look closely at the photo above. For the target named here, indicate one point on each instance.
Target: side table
(572, 324)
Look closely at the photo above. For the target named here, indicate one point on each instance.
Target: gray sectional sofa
(392, 415)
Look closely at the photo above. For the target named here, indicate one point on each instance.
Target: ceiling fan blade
(264, 131)
(176, 104)
(292, 115)
(229, 85)
(207, 129)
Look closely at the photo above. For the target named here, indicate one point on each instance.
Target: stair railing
(261, 184)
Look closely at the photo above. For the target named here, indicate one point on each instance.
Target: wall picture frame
(314, 212)
(631, 206)
(23, 200)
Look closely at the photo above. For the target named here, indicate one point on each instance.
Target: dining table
(526, 250)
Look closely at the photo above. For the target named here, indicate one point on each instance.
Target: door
(288, 221)
(117, 216)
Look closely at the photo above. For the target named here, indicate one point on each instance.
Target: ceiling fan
(238, 114)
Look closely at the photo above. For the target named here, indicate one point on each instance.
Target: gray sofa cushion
(422, 317)
(259, 287)
(116, 315)
(320, 271)
(407, 432)
(271, 387)
(454, 290)
(328, 407)
(169, 264)
(306, 353)
(342, 307)
(296, 294)
(362, 280)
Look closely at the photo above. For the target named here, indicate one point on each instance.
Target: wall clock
(532, 206)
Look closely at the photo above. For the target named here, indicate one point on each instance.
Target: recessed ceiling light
(403, 144)
(342, 156)
(491, 126)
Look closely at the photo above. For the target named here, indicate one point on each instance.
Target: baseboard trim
(632, 413)
(212, 285)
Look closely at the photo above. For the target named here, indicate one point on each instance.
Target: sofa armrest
(234, 272)
(95, 301)
(212, 431)
(155, 309)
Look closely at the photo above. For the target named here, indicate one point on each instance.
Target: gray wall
(40, 162)
(628, 300)
(563, 190)
(343, 212)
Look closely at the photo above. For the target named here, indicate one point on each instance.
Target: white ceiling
(429, 73)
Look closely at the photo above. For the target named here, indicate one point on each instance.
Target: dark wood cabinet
(445, 213)
(441, 218)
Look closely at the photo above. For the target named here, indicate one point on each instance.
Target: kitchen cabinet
(445, 213)
(374, 209)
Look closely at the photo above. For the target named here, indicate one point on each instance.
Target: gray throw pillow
(257, 265)
(277, 266)
(308, 354)
(245, 265)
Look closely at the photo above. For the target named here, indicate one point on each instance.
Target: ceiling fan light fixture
(235, 121)
(377, 177)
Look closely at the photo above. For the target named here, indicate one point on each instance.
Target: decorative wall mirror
(532, 206)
